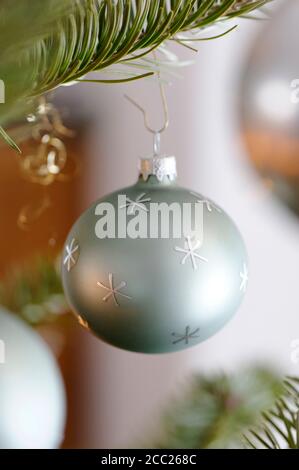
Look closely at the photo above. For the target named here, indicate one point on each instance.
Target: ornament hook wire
(145, 114)
(156, 132)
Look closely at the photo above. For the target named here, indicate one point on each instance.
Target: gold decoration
(47, 163)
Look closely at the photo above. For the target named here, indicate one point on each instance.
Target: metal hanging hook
(145, 115)
(156, 132)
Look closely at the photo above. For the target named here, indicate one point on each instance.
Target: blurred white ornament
(32, 395)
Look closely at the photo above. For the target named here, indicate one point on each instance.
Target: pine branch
(99, 33)
(60, 42)
(24, 25)
(279, 428)
(33, 290)
(214, 411)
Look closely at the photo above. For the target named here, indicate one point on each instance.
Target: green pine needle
(33, 290)
(123, 80)
(216, 410)
(279, 428)
(9, 140)
(51, 43)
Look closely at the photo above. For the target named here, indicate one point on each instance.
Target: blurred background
(113, 396)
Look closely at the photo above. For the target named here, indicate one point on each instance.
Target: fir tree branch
(33, 290)
(214, 411)
(60, 42)
(279, 428)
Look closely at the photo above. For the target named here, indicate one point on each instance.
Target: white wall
(125, 390)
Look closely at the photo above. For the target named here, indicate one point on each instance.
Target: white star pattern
(189, 252)
(83, 322)
(244, 278)
(209, 204)
(72, 254)
(186, 336)
(113, 291)
(137, 204)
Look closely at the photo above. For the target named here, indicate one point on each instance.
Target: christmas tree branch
(33, 290)
(215, 411)
(279, 428)
(60, 42)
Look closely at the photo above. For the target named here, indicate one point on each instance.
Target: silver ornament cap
(162, 166)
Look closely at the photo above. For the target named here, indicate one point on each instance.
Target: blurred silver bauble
(32, 396)
(155, 295)
(270, 103)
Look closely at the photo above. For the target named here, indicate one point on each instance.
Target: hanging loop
(145, 114)
(156, 132)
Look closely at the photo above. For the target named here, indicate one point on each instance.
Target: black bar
(93, 459)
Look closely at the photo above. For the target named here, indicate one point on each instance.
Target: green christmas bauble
(154, 267)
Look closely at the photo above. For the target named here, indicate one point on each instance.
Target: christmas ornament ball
(269, 104)
(144, 290)
(32, 395)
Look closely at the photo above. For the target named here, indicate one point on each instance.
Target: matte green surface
(167, 298)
